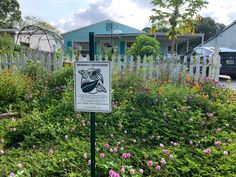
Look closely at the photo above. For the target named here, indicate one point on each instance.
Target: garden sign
(93, 86)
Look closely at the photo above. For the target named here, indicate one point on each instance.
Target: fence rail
(172, 68)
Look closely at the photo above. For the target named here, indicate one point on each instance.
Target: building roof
(181, 38)
(220, 32)
(9, 30)
(102, 28)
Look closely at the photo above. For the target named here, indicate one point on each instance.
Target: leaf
(88, 86)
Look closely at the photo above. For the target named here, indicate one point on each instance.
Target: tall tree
(209, 27)
(181, 16)
(10, 13)
(38, 21)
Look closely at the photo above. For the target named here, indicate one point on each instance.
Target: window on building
(81, 47)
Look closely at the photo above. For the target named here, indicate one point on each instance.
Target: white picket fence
(168, 68)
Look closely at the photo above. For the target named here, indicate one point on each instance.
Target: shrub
(14, 87)
(145, 45)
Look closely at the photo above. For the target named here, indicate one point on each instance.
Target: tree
(209, 27)
(180, 15)
(37, 21)
(144, 45)
(10, 13)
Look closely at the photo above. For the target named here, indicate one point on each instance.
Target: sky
(67, 15)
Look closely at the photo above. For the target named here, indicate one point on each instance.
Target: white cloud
(221, 11)
(128, 12)
(70, 14)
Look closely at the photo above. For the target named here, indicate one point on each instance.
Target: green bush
(14, 87)
(62, 77)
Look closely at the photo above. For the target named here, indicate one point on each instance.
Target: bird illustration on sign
(92, 81)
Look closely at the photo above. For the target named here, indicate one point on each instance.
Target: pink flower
(111, 150)
(115, 149)
(111, 172)
(163, 161)
(141, 171)
(102, 155)
(124, 156)
(132, 171)
(158, 167)
(175, 144)
(116, 175)
(150, 163)
(166, 151)
(207, 151)
(210, 115)
(128, 155)
(217, 143)
(203, 122)
(107, 146)
(225, 153)
(161, 145)
(218, 129)
(12, 174)
(122, 170)
(50, 152)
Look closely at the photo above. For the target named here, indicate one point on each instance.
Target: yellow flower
(197, 86)
(188, 78)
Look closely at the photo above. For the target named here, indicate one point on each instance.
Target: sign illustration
(92, 81)
(92, 86)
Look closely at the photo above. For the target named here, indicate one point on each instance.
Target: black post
(92, 114)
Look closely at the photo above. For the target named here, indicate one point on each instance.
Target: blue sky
(71, 14)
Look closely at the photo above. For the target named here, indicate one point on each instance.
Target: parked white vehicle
(228, 58)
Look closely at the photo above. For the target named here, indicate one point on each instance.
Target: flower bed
(155, 129)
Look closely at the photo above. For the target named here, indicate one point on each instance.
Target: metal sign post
(92, 114)
(92, 91)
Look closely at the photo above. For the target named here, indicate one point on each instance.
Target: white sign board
(92, 86)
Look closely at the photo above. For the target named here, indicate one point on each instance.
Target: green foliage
(154, 120)
(209, 27)
(14, 86)
(10, 13)
(181, 16)
(144, 45)
(62, 77)
(6, 43)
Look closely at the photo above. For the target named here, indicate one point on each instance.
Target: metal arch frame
(32, 30)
